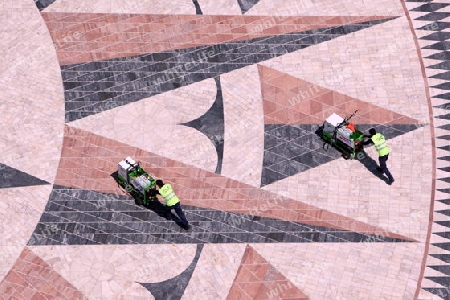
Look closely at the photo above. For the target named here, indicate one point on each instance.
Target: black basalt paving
(81, 217)
(94, 87)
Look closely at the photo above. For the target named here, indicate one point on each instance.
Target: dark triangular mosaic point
(447, 179)
(447, 191)
(173, 288)
(434, 16)
(447, 158)
(11, 178)
(437, 36)
(443, 106)
(444, 55)
(439, 46)
(291, 149)
(94, 87)
(212, 125)
(444, 76)
(82, 217)
(430, 7)
(444, 212)
(443, 257)
(444, 117)
(442, 86)
(445, 127)
(441, 292)
(445, 96)
(445, 201)
(442, 280)
(442, 234)
(445, 65)
(447, 148)
(446, 169)
(435, 26)
(442, 269)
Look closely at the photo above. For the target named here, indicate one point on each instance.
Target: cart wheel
(346, 155)
(137, 199)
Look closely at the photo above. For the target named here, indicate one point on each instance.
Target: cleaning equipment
(135, 180)
(342, 135)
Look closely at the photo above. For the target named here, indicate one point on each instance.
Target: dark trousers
(179, 212)
(384, 168)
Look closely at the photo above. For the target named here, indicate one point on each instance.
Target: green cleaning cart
(135, 180)
(343, 135)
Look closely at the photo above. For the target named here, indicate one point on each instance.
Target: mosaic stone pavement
(224, 100)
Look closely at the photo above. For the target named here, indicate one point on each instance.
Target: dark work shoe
(379, 169)
(187, 227)
(390, 182)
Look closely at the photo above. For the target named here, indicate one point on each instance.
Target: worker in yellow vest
(172, 202)
(383, 152)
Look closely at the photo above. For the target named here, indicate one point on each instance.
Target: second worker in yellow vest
(383, 153)
(172, 202)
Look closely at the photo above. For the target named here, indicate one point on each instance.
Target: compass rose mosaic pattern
(225, 101)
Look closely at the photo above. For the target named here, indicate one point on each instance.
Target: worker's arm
(368, 140)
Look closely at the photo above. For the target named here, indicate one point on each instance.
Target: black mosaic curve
(198, 9)
(245, 5)
(212, 124)
(82, 217)
(291, 149)
(174, 288)
(94, 87)
(42, 4)
(12, 178)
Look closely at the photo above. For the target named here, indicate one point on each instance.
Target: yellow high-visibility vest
(380, 144)
(168, 194)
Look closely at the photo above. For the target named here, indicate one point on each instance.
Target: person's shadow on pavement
(160, 210)
(370, 164)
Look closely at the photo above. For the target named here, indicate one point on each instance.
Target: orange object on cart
(351, 126)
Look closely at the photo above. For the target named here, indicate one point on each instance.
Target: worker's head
(372, 131)
(159, 183)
